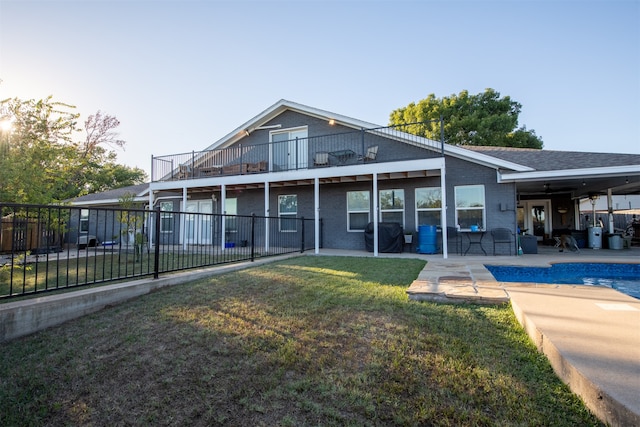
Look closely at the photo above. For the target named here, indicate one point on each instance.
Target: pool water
(622, 277)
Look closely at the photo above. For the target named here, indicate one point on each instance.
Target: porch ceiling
(580, 188)
(326, 180)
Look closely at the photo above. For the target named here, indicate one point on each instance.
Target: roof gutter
(569, 173)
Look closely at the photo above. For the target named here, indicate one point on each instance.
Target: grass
(305, 341)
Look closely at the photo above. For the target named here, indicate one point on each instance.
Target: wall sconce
(583, 183)
(562, 210)
(246, 132)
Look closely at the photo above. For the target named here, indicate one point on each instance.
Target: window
(231, 219)
(470, 206)
(84, 220)
(287, 212)
(392, 206)
(166, 217)
(428, 205)
(358, 210)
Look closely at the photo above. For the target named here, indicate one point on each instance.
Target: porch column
(266, 215)
(223, 221)
(316, 212)
(610, 209)
(443, 212)
(183, 218)
(375, 213)
(149, 233)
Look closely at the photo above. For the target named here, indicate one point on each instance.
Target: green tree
(482, 119)
(44, 160)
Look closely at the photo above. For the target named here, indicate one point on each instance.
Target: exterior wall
(500, 203)
(325, 137)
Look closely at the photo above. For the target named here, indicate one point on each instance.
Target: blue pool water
(622, 277)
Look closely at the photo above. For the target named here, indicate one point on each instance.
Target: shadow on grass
(306, 341)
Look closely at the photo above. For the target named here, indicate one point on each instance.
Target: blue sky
(179, 75)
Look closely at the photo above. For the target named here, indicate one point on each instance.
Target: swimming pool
(622, 277)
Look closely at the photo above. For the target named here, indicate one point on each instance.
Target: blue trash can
(427, 239)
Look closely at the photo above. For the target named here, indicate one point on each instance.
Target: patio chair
(321, 158)
(454, 235)
(370, 155)
(502, 235)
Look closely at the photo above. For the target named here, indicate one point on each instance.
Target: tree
(483, 119)
(41, 160)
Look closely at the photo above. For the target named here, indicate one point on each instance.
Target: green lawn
(305, 341)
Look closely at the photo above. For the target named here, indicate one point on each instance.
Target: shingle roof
(547, 160)
(112, 194)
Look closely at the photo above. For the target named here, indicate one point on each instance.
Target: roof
(548, 160)
(112, 196)
(285, 105)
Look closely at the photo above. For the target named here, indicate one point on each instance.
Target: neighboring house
(95, 220)
(294, 160)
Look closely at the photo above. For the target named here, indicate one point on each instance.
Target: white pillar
(150, 223)
(266, 215)
(223, 221)
(375, 213)
(316, 212)
(443, 212)
(183, 218)
(610, 209)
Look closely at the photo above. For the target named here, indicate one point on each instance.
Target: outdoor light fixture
(332, 122)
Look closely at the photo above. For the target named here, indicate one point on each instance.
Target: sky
(179, 75)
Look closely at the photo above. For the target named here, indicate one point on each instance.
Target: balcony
(384, 144)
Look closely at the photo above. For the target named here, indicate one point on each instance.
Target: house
(292, 160)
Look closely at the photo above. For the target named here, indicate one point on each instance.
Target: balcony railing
(340, 149)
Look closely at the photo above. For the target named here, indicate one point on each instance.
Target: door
(289, 149)
(534, 217)
(198, 222)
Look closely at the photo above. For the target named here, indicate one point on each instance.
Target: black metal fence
(48, 248)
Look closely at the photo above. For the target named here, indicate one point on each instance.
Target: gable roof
(284, 105)
(140, 191)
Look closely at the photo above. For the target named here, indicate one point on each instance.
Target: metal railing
(346, 148)
(48, 248)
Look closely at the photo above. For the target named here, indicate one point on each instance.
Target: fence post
(302, 236)
(253, 230)
(156, 239)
